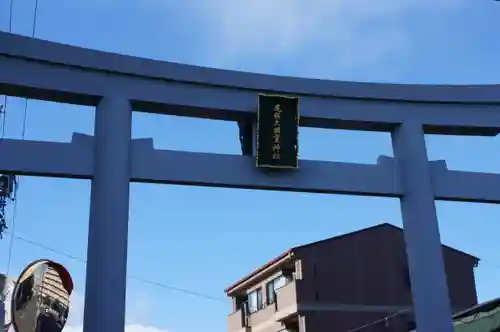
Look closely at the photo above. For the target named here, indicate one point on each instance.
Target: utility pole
(2, 314)
(6, 290)
(3, 288)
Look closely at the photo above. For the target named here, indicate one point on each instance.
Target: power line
(14, 236)
(39, 245)
(35, 15)
(144, 280)
(11, 240)
(33, 33)
(3, 108)
(25, 118)
(379, 320)
(204, 296)
(3, 113)
(465, 320)
(180, 290)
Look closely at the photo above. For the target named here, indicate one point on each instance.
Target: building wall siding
(366, 271)
(369, 268)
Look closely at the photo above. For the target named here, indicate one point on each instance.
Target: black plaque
(277, 132)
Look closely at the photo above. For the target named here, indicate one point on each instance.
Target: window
(240, 301)
(270, 292)
(255, 301)
(273, 286)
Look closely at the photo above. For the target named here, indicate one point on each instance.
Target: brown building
(340, 284)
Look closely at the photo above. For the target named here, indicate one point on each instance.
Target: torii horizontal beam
(56, 72)
(150, 165)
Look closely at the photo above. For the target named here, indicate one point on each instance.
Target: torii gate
(118, 84)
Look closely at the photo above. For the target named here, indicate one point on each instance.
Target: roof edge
(478, 308)
(231, 289)
(442, 244)
(266, 267)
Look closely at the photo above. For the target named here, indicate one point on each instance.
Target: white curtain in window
(252, 302)
(279, 282)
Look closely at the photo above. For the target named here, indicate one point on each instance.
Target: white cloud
(75, 318)
(349, 32)
(128, 328)
(311, 36)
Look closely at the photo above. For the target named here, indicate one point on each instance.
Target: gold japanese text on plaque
(277, 132)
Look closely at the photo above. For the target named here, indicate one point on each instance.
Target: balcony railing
(237, 320)
(285, 305)
(286, 301)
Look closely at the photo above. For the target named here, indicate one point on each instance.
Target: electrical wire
(14, 236)
(379, 320)
(3, 108)
(387, 318)
(140, 279)
(41, 246)
(465, 320)
(35, 15)
(33, 33)
(11, 240)
(176, 289)
(23, 133)
(204, 296)
(3, 113)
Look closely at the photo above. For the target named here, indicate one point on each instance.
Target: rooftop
(289, 253)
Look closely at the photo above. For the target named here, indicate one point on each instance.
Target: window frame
(272, 299)
(258, 299)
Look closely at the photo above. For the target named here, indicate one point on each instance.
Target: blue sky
(202, 239)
